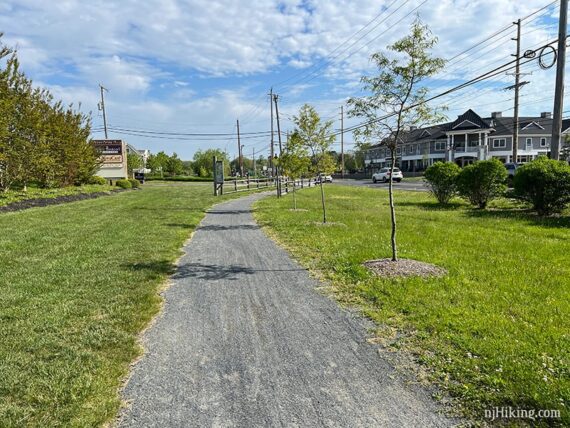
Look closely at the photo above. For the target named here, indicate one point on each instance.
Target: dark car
(511, 168)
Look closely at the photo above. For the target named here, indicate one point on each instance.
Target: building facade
(465, 140)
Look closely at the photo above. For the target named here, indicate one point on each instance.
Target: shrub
(442, 180)
(123, 184)
(135, 184)
(545, 183)
(97, 180)
(482, 181)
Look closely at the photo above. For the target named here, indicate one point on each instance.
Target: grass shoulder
(12, 196)
(493, 331)
(79, 283)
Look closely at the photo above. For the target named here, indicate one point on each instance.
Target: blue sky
(195, 66)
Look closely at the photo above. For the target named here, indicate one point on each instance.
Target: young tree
(317, 138)
(134, 161)
(294, 161)
(396, 101)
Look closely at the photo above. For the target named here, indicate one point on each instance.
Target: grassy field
(78, 282)
(494, 332)
(36, 193)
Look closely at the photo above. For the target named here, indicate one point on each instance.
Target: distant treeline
(41, 140)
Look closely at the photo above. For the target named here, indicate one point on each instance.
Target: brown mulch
(44, 202)
(403, 268)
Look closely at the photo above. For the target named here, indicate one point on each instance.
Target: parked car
(324, 177)
(384, 175)
(511, 168)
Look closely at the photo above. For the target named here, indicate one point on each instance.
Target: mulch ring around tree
(403, 268)
(44, 202)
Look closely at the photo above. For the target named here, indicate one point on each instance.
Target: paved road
(245, 340)
(418, 186)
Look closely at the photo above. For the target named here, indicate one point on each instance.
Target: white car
(324, 177)
(384, 175)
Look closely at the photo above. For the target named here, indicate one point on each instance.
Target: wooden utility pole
(276, 98)
(102, 108)
(517, 84)
(559, 91)
(239, 151)
(271, 146)
(342, 141)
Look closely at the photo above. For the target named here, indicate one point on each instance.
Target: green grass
(189, 178)
(494, 332)
(12, 196)
(78, 283)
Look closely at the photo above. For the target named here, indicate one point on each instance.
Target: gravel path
(245, 340)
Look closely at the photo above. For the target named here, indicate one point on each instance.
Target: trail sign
(218, 177)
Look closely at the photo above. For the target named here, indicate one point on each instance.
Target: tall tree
(157, 163)
(203, 162)
(395, 95)
(316, 136)
(40, 140)
(174, 165)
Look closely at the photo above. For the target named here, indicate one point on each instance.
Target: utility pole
(240, 166)
(271, 147)
(102, 108)
(276, 98)
(517, 84)
(342, 141)
(559, 91)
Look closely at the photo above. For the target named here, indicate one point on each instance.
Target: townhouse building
(465, 140)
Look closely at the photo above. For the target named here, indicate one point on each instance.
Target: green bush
(97, 180)
(123, 184)
(482, 181)
(135, 184)
(545, 183)
(442, 180)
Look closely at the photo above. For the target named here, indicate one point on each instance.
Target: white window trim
(499, 146)
(543, 142)
(527, 141)
(442, 146)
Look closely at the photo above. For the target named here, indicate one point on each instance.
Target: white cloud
(150, 54)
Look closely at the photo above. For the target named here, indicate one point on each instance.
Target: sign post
(113, 157)
(218, 176)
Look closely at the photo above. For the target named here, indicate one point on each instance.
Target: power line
(499, 70)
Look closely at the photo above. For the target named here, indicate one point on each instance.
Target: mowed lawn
(494, 332)
(78, 282)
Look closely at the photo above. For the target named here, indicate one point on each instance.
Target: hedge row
(544, 183)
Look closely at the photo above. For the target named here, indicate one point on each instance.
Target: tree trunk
(323, 200)
(294, 197)
(392, 208)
